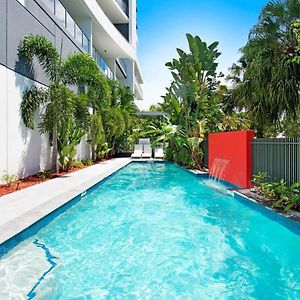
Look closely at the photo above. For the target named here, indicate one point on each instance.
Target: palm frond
(45, 52)
(32, 100)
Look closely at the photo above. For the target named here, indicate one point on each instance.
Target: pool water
(155, 231)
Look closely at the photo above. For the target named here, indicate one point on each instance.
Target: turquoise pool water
(154, 231)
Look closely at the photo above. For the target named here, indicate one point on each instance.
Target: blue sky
(162, 27)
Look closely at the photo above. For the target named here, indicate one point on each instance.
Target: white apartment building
(106, 29)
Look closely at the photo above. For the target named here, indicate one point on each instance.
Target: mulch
(33, 180)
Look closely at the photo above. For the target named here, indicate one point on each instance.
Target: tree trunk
(55, 166)
(260, 132)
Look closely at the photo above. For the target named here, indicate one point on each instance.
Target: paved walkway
(23, 208)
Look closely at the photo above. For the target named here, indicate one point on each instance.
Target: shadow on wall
(83, 149)
(34, 153)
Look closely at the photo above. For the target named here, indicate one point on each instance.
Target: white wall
(22, 151)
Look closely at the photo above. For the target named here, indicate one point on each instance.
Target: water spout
(218, 168)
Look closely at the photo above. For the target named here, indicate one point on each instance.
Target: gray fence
(204, 147)
(279, 157)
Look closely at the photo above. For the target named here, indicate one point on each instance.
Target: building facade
(106, 29)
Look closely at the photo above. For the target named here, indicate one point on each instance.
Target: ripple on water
(154, 231)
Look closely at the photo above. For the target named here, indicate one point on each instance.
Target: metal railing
(204, 147)
(279, 157)
(67, 21)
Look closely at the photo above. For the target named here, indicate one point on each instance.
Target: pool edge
(22, 221)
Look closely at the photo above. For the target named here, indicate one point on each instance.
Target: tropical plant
(77, 164)
(191, 102)
(87, 162)
(281, 194)
(68, 138)
(296, 28)
(118, 117)
(266, 79)
(9, 178)
(45, 174)
(102, 150)
(55, 104)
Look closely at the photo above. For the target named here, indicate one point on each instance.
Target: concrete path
(23, 208)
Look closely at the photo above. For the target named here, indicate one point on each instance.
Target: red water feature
(230, 156)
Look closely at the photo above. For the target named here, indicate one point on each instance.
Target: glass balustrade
(67, 21)
(105, 69)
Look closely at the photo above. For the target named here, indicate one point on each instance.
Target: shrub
(87, 162)
(45, 174)
(77, 164)
(9, 178)
(280, 193)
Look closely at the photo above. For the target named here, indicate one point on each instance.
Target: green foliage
(192, 102)
(45, 52)
(96, 133)
(57, 104)
(46, 174)
(68, 138)
(281, 194)
(296, 29)
(87, 162)
(33, 98)
(9, 178)
(77, 164)
(102, 150)
(115, 117)
(266, 79)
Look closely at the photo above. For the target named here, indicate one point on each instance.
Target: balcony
(116, 10)
(124, 6)
(68, 23)
(104, 68)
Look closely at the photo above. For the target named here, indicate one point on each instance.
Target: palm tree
(56, 103)
(266, 80)
(118, 116)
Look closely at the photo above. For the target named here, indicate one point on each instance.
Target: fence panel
(279, 157)
(204, 147)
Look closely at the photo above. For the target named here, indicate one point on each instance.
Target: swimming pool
(154, 231)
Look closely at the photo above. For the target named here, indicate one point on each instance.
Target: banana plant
(69, 137)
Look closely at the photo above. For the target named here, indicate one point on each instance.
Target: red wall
(233, 148)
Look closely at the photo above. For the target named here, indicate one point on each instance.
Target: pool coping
(290, 219)
(291, 215)
(21, 209)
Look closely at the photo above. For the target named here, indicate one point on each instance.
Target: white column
(3, 120)
(132, 23)
(129, 81)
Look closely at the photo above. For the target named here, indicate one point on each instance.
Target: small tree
(55, 103)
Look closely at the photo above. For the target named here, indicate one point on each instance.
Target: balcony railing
(122, 64)
(123, 6)
(105, 69)
(67, 21)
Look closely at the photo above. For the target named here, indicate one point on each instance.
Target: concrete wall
(22, 151)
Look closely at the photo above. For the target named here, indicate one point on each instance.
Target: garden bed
(35, 179)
